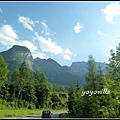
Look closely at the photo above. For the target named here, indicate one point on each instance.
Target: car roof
(46, 111)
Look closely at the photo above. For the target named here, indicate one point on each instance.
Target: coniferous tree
(42, 89)
(15, 87)
(71, 101)
(25, 75)
(91, 74)
(114, 81)
(90, 102)
(77, 86)
(78, 101)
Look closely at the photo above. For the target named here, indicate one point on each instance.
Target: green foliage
(114, 79)
(3, 71)
(28, 89)
(91, 74)
(98, 105)
(4, 93)
(71, 101)
(42, 89)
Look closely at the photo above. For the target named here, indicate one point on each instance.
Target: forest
(24, 88)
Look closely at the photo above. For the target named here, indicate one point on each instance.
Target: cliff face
(16, 55)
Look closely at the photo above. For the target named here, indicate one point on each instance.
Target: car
(46, 114)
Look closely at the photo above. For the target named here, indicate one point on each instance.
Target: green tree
(77, 85)
(42, 89)
(15, 84)
(30, 91)
(90, 102)
(71, 101)
(3, 71)
(79, 106)
(20, 85)
(4, 94)
(78, 101)
(114, 80)
(25, 75)
(91, 74)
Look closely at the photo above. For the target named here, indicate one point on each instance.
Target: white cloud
(8, 31)
(100, 33)
(27, 44)
(27, 23)
(111, 10)
(46, 31)
(44, 24)
(47, 45)
(108, 55)
(6, 41)
(40, 55)
(78, 27)
(37, 21)
(68, 52)
(8, 38)
(66, 57)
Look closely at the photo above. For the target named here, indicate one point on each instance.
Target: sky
(67, 31)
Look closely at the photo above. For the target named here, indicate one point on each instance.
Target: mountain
(56, 74)
(16, 55)
(80, 68)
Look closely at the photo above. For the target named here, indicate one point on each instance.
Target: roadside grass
(24, 112)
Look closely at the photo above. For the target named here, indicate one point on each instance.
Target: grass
(23, 112)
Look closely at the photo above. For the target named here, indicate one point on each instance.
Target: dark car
(46, 114)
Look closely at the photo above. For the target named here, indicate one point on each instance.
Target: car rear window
(46, 112)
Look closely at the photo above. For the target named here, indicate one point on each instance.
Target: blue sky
(64, 31)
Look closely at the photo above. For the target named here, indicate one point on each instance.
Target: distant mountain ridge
(80, 68)
(56, 74)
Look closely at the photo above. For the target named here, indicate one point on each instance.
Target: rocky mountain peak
(17, 55)
(18, 48)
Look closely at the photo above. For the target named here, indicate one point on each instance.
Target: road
(54, 115)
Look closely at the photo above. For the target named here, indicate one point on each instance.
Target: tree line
(97, 104)
(24, 88)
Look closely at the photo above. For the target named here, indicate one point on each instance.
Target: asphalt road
(54, 115)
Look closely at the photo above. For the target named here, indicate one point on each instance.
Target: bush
(31, 106)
